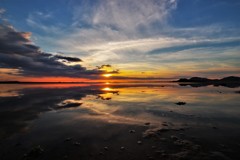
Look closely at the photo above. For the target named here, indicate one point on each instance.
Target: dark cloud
(104, 65)
(68, 59)
(18, 52)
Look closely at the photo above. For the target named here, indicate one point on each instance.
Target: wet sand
(132, 123)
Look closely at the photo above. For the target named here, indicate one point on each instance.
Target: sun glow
(107, 89)
(107, 75)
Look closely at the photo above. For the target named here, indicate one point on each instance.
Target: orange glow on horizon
(57, 79)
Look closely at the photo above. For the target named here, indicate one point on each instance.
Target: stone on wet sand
(164, 124)
(219, 156)
(35, 152)
(132, 131)
(181, 142)
(106, 148)
(147, 123)
(68, 139)
(180, 155)
(150, 158)
(122, 148)
(174, 138)
(139, 142)
(214, 127)
(76, 143)
(180, 103)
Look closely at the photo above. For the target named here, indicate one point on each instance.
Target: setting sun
(107, 75)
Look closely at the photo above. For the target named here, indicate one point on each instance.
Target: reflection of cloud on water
(96, 110)
(132, 106)
(16, 112)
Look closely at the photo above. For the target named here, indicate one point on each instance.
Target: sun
(107, 75)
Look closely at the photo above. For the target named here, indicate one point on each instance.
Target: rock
(222, 145)
(160, 151)
(181, 142)
(150, 158)
(219, 156)
(148, 123)
(164, 124)
(180, 103)
(122, 148)
(164, 155)
(139, 142)
(181, 134)
(162, 139)
(77, 143)
(106, 148)
(35, 152)
(68, 139)
(214, 127)
(174, 138)
(132, 131)
(196, 147)
(180, 155)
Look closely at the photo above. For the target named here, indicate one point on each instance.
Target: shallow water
(124, 121)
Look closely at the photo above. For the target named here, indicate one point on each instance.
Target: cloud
(132, 35)
(2, 10)
(68, 59)
(125, 15)
(17, 51)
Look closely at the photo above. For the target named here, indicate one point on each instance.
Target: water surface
(133, 121)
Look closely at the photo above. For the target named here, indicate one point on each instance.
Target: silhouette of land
(230, 81)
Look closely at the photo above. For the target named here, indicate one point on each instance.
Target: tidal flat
(119, 121)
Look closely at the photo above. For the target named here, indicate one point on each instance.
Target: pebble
(132, 131)
(180, 103)
(164, 124)
(35, 152)
(139, 142)
(68, 139)
(76, 143)
(148, 123)
(174, 138)
(106, 148)
(181, 134)
(122, 148)
(163, 139)
(160, 151)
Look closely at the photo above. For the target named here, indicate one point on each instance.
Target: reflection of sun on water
(107, 89)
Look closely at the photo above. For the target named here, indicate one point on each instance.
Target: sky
(74, 40)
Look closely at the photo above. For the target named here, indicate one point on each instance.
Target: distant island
(231, 81)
